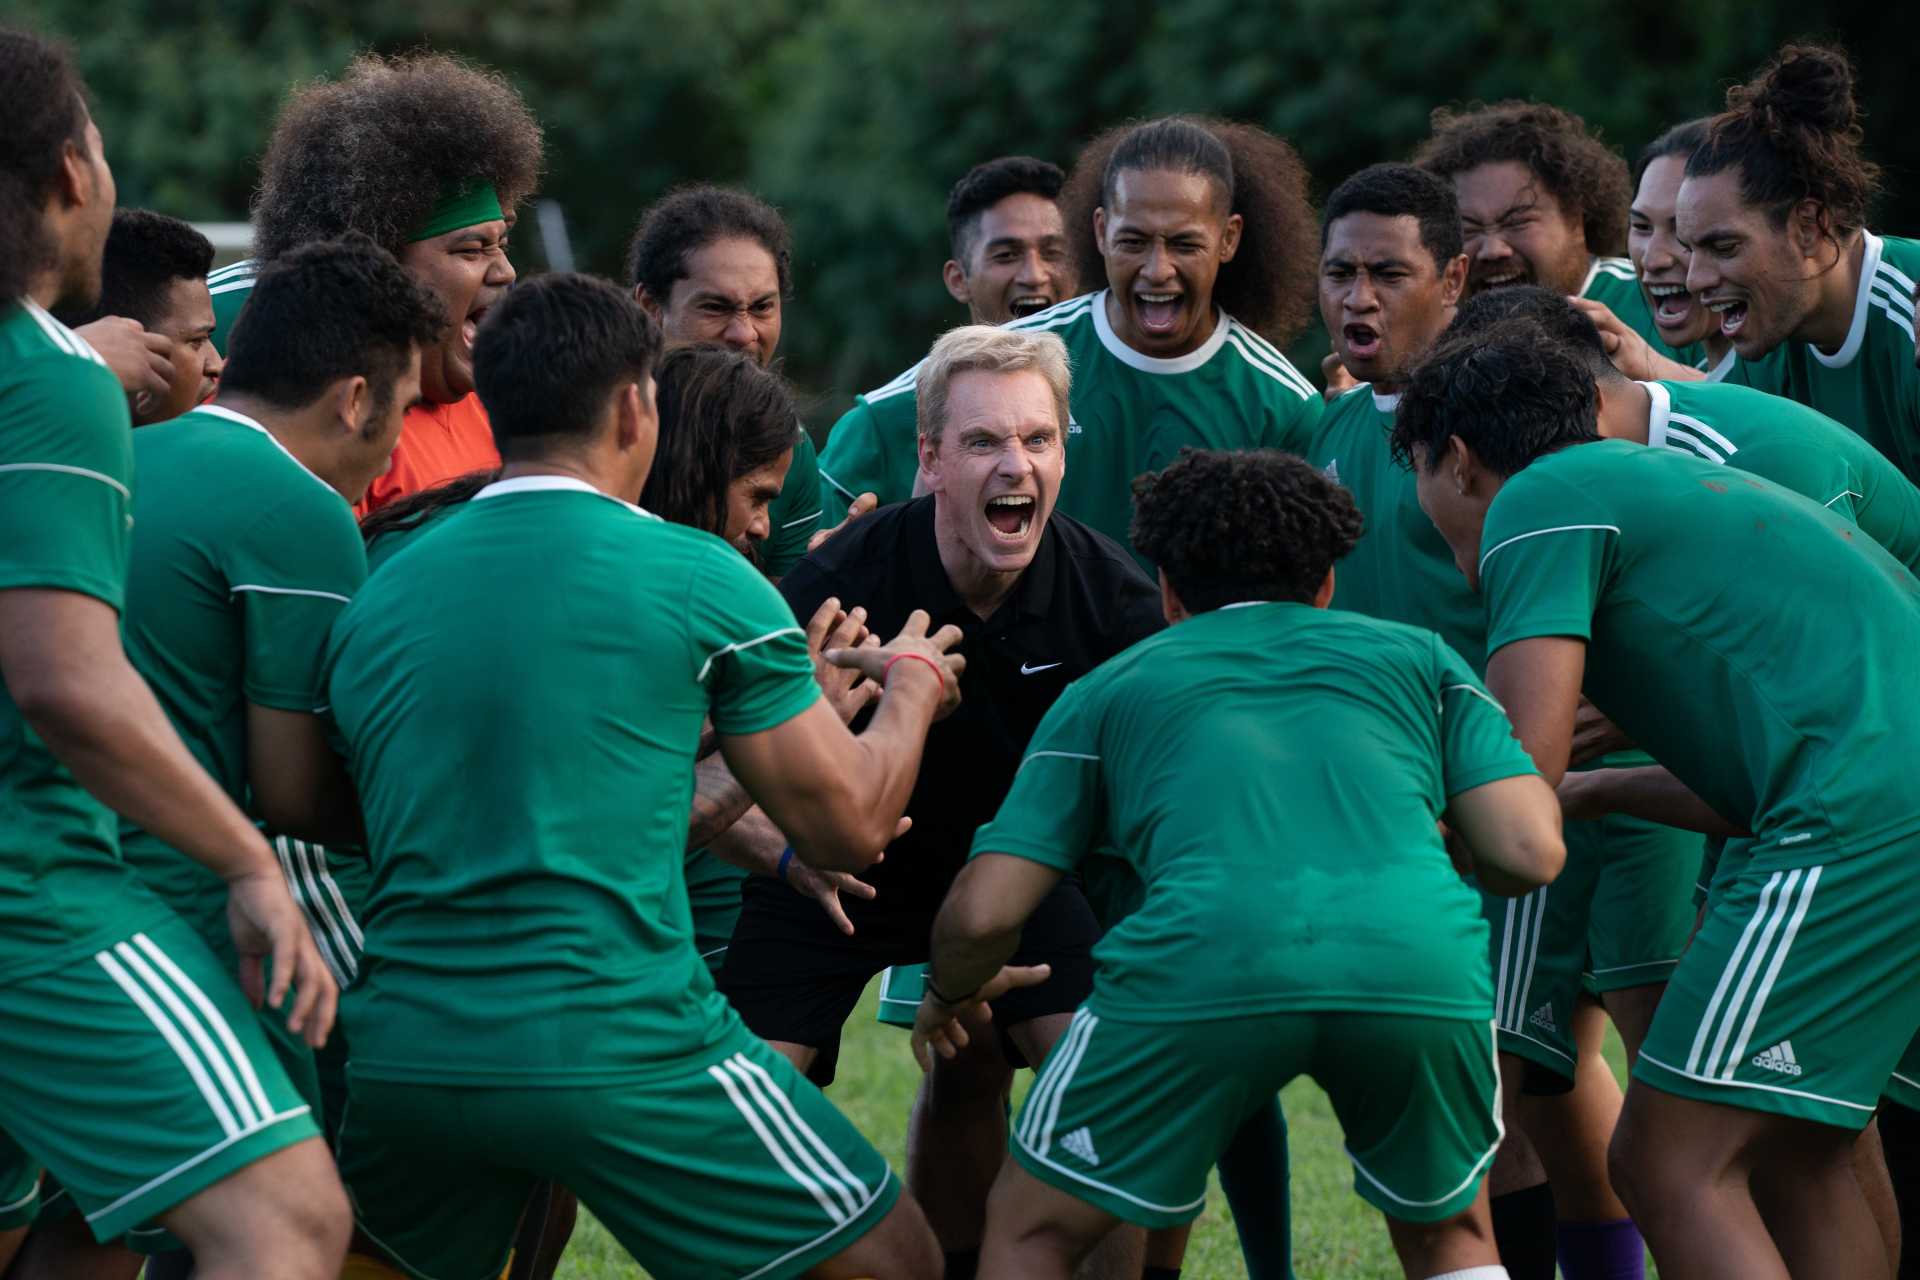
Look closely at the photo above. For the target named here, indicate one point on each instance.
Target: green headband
(466, 208)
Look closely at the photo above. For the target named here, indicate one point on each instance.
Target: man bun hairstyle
(146, 252)
(1582, 173)
(1793, 133)
(46, 109)
(687, 220)
(987, 184)
(1258, 524)
(378, 149)
(1556, 317)
(549, 355)
(722, 416)
(325, 311)
(1269, 286)
(1397, 191)
(1510, 392)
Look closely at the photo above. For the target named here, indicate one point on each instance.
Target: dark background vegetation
(855, 116)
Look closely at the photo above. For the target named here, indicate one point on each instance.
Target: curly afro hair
(1246, 525)
(1269, 286)
(1510, 392)
(1586, 176)
(1793, 133)
(46, 109)
(377, 149)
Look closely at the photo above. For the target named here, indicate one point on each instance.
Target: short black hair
(1227, 526)
(1793, 133)
(375, 150)
(1682, 140)
(1510, 392)
(548, 356)
(1402, 191)
(688, 219)
(329, 310)
(987, 184)
(1556, 317)
(46, 109)
(146, 253)
(1586, 176)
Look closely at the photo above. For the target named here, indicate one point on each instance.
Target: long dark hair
(46, 109)
(721, 417)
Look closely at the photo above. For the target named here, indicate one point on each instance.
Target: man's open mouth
(1498, 279)
(471, 326)
(1159, 313)
(1011, 515)
(1363, 341)
(1672, 304)
(1732, 313)
(1028, 303)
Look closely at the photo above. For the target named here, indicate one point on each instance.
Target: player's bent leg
(1571, 1130)
(957, 1141)
(1036, 1231)
(284, 1216)
(1876, 1184)
(900, 1247)
(1632, 1010)
(1457, 1243)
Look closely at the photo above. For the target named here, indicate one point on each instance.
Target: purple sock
(1601, 1251)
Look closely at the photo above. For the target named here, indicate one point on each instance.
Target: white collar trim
(1719, 371)
(1156, 364)
(550, 484)
(221, 411)
(1659, 414)
(1862, 303)
(1385, 403)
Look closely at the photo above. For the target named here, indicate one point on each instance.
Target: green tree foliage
(855, 115)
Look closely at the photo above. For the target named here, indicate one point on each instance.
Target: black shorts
(793, 976)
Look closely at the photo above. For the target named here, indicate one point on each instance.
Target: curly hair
(987, 184)
(1793, 133)
(688, 219)
(1242, 525)
(46, 109)
(1403, 190)
(325, 311)
(1558, 318)
(722, 416)
(1510, 392)
(1586, 176)
(377, 149)
(1269, 286)
(146, 252)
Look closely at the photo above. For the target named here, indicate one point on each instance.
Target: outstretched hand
(938, 1027)
(847, 691)
(921, 655)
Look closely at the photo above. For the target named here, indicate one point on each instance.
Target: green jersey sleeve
(874, 448)
(1293, 427)
(1545, 558)
(298, 566)
(1052, 814)
(1477, 742)
(745, 647)
(796, 513)
(66, 475)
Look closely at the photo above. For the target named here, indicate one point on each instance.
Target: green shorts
(1797, 997)
(733, 1167)
(19, 1186)
(1617, 916)
(1131, 1116)
(140, 1076)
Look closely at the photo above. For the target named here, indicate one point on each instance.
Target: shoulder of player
(1610, 271)
(36, 348)
(1273, 373)
(1890, 300)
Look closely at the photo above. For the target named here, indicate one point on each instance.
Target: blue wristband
(785, 858)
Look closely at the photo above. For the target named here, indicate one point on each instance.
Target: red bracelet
(917, 657)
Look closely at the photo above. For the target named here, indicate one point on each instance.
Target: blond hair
(980, 348)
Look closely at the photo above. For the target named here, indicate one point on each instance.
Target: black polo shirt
(1082, 600)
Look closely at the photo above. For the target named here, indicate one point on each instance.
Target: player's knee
(901, 1246)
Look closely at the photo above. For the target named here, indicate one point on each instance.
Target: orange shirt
(438, 443)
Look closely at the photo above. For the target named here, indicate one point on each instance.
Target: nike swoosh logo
(1026, 670)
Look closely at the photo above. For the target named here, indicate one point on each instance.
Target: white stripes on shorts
(790, 1140)
(1042, 1110)
(1519, 949)
(335, 932)
(1727, 1026)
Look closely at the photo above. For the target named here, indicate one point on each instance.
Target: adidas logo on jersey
(1543, 1018)
(1073, 425)
(1779, 1058)
(1080, 1143)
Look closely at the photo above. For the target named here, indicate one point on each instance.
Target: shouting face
(1516, 232)
(469, 272)
(1164, 240)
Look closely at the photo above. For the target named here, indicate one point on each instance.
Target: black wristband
(946, 999)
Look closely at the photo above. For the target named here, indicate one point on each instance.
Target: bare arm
(1512, 828)
(974, 935)
(719, 801)
(61, 657)
(839, 797)
(300, 787)
(1538, 682)
(1650, 792)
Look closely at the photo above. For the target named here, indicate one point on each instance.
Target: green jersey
(1273, 773)
(1614, 282)
(1129, 414)
(230, 286)
(1870, 384)
(66, 476)
(1796, 448)
(228, 603)
(521, 691)
(1401, 569)
(796, 513)
(1779, 687)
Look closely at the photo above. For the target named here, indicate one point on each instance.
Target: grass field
(1335, 1233)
